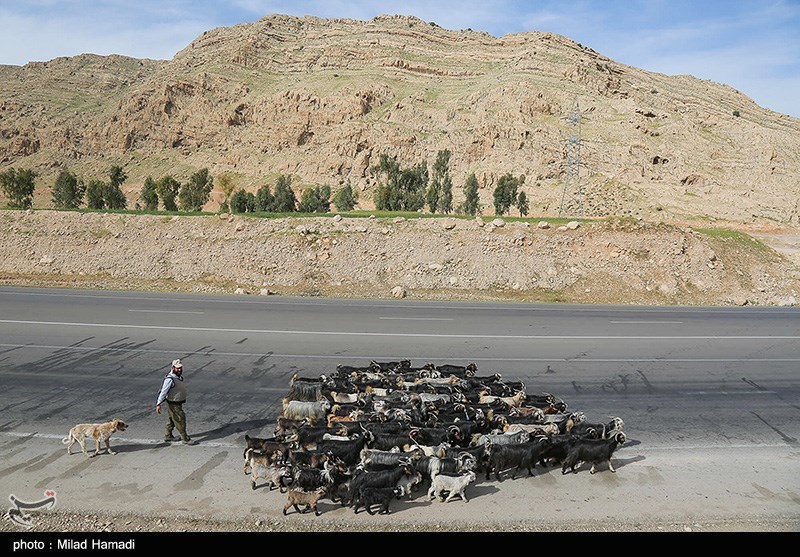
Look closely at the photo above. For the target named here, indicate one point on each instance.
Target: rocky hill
(322, 99)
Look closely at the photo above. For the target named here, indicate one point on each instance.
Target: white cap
(177, 363)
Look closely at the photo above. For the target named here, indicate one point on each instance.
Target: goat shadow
(616, 462)
(476, 490)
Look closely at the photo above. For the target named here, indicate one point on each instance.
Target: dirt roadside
(204, 490)
(597, 262)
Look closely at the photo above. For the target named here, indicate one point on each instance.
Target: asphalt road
(710, 399)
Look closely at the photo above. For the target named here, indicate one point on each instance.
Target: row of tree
(413, 188)
(284, 200)
(71, 191)
(401, 189)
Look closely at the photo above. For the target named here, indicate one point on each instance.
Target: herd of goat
(365, 436)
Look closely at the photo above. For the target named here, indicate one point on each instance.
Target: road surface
(710, 398)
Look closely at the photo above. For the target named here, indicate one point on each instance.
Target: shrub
(345, 199)
(315, 200)
(243, 201)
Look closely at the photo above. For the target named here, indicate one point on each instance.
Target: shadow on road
(135, 447)
(230, 429)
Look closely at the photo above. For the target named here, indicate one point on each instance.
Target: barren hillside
(323, 99)
(611, 261)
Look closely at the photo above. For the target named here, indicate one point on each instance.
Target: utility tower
(572, 197)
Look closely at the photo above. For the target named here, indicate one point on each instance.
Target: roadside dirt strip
(150, 484)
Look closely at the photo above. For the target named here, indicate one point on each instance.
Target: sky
(750, 45)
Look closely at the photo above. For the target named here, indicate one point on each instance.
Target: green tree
(242, 201)
(345, 199)
(113, 194)
(446, 199)
(149, 194)
(96, 194)
(315, 200)
(227, 185)
(265, 201)
(471, 199)
(404, 189)
(440, 191)
(432, 195)
(18, 186)
(505, 193)
(167, 188)
(522, 204)
(285, 198)
(68, 191)
(196, 192)
(117, 175)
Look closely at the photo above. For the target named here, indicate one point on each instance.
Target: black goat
(555, 453)
(269, 446)
(368, 497)
(462, 372)
(380, 478)
(310, 436)
(516, 456)
(387, 441)
(331, 476)
(594, 451)
(477, 452)
(390, 366)
(348, 451)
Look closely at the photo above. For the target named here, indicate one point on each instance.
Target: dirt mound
(610, 261)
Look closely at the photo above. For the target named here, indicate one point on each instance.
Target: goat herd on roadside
(363, 437)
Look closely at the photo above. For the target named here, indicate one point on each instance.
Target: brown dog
(98, 432)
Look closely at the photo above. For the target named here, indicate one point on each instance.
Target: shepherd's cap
(177, 363)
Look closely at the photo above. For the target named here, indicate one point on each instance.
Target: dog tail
(65, 440)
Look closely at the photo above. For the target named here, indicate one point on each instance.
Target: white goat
(455, 485)
(408, 484)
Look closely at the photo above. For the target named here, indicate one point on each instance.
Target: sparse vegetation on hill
(321, 100)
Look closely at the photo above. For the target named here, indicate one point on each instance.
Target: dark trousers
(176, 418)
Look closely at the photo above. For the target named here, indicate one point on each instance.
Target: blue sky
(751, 45)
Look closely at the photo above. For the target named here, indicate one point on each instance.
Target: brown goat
(308, 499)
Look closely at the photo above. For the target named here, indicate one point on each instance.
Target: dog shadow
(135, 447)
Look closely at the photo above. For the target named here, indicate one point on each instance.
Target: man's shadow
(231, 428)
